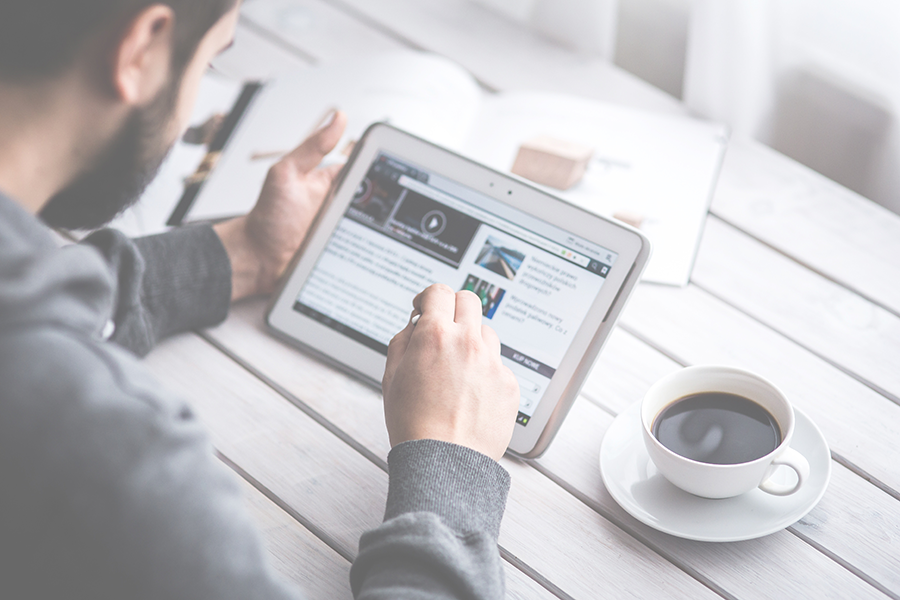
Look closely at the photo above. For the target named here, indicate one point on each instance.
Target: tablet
(404, 214)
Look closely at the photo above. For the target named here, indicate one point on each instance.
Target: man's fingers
(437, 302)
(308, 155)
(468, 309)
(323, 178)
(490, 339)
(332, 171)
(396, 350)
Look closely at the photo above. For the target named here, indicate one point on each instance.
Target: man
(108, 487)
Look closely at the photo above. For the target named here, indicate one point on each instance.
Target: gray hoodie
(109, 487)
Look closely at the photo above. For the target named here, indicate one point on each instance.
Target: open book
(662, 168)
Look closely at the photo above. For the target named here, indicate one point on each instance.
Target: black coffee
(717, 428)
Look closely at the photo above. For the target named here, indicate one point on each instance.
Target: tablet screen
(408, 228)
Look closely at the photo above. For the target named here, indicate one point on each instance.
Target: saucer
(635, 483)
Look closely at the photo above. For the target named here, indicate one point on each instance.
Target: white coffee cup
(723, 480)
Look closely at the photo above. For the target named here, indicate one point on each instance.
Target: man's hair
(40, 39)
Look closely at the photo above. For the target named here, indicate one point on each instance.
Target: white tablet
(405, 214)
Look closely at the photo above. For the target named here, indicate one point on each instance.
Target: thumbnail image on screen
(499, 258)
(489, 294)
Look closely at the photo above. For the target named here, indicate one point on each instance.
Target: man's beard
(121, 173)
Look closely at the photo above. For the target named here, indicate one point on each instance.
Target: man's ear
(142, 56)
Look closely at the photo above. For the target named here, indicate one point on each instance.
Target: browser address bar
(486, 217)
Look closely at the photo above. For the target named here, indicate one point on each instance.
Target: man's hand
(444, 379)
(262, 243)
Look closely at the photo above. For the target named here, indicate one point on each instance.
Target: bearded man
(110, 488)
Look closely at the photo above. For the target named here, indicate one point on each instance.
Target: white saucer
(633, 480)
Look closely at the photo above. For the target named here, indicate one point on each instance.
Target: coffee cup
(719, 432)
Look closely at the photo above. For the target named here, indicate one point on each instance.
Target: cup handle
(789, 458)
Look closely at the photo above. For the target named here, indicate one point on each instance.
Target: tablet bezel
(632, 248)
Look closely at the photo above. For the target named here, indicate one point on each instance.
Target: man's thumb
(308, 155)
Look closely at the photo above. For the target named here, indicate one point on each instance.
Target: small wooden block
(552, 162)
(630, 218)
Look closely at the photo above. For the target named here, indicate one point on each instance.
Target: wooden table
(797, 279)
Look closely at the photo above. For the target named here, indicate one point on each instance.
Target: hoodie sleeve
(441, 524)
(165, 284)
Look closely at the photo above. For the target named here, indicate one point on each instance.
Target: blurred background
(818, 80)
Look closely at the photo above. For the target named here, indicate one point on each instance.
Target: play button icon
(434, 222)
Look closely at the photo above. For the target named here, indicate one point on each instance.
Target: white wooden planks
(550, 530)
(500, 54)
(835, 323)
(318, 475)
(316, 29)
(812, 219)
(296, 553)
(630, 370)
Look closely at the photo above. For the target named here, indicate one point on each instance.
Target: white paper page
(662, 167)
(426, 95)
(149, 215)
